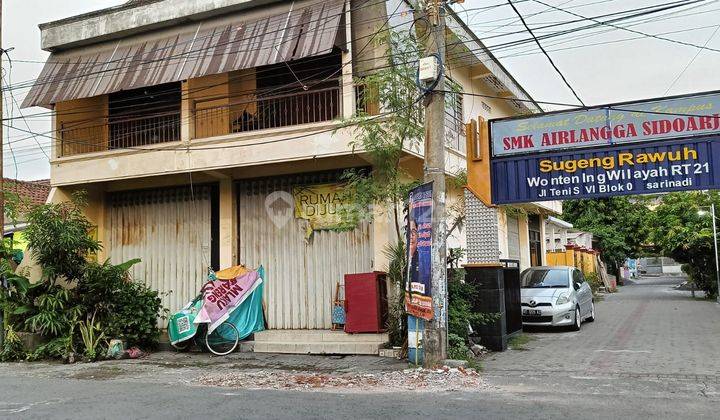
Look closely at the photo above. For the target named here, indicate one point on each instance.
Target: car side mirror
(576, 286)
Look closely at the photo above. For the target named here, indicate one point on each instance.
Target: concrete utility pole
(2, 174)
(435, 340)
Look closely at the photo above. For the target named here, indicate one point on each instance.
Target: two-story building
(184, 119)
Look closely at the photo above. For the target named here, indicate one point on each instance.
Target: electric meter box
(428, 69)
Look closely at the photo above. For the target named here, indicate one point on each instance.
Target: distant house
(30, 193)
(33, 192)
(559, 234)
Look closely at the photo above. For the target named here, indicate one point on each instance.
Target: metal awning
(299, 32)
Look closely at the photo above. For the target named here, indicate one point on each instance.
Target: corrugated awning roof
(145, 61)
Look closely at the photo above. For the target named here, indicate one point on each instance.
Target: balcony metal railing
(134, 132)
(263, 113)
(118, 133)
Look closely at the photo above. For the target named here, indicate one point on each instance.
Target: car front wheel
(591, 318)
(578, 320)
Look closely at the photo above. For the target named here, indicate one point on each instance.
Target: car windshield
(547, 278)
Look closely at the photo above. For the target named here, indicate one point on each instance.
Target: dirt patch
(420, 380)
(99, 373)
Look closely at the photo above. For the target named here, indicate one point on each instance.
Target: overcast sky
(603, 64)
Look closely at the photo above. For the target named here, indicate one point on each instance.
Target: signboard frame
(617, 106)
(505, 180)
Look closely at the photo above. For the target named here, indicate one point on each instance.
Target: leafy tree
(682, 229)
(382, 136)
(618, 223)
(59, 236)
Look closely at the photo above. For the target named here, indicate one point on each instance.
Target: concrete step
(318, 342)
(317, 348)
(314, 336)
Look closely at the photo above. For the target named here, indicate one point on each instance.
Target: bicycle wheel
(223, 340)
(181, 345)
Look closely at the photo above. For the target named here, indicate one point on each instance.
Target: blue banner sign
(608, 125)
(637, 168)
(418, 288)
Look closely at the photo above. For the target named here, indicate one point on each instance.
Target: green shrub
(124, 309)
(461, 316)
(59, 236)
(12, 348)
(56, 348)
(397, 317)
(595, 282)
(457, 347)
(54, 310)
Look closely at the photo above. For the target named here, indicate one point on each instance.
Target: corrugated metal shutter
(301, 275)
(513, 238)
(170, 232)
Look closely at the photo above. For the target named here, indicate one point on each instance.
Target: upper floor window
(279, 95)
(144, 116)
(454, 117)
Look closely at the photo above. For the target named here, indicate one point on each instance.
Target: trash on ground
(419, 379)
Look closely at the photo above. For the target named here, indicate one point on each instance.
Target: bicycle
(222, 341)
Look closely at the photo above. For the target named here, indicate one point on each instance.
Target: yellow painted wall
(209, 96)
(582, 259)
(242, 84)
(82, 125)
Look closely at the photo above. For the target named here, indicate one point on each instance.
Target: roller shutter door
(170, 232)
(301, 275)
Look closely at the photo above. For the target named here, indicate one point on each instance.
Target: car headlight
(563, 299)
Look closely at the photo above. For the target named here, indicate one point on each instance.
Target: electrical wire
(10, 107)
(16, 104)
(562, 76)
(672, 4)
(505, 98)
(688, 44)
(692, 60)
(202, 52)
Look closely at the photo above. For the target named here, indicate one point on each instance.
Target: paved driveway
(648, 329)
(653, 352)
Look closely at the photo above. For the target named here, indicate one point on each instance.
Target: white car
(555, 297)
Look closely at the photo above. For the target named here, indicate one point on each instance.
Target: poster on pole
(418, 287)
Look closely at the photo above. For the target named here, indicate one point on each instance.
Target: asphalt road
(652, 353)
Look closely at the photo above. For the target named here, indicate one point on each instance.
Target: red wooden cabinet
(366, 306)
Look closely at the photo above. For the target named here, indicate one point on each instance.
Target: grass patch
(519, 342)
(474, 364)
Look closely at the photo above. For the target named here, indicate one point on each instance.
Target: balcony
(252, 114)
(118, 133)
(276, 111)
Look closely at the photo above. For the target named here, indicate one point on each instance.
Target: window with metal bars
(454, 118)
(144, 116)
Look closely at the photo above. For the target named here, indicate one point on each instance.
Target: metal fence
(267, 112)
(118, 133)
